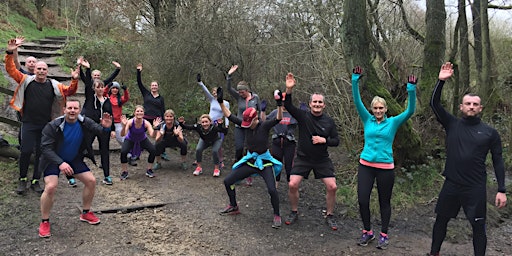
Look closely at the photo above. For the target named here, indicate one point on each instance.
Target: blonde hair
(378, 99)
(169, 112)
(205, 116)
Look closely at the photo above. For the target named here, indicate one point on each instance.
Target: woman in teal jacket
(376, 160)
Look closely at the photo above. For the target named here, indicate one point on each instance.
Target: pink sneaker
(198, 171)
(216, 173)
(44, 229)
(90, 218)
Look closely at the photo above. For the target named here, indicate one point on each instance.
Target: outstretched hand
(357, 73)
(232, 69)
(115, 63)
(139, 67)
(106, 120)
(263, 105)
(11, 45)
(220, 95)
(412, 79)
(278, 96)
(20, 40)
(124, 87)
(75, 73)
(446, 71)
(181, 119)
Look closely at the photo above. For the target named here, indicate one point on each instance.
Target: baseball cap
(248, 116)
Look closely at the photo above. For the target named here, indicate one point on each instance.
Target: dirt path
(190, 224)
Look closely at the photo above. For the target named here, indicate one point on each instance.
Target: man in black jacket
(63, 147)
(468, 141)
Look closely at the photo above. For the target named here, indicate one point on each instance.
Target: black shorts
(322, 169)
(472, 199)
(77, 164)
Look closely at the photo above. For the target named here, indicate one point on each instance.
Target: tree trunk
(477, 35)
(434, 50)
(356, 47)
(40, 4)
(464, 65)
(486, 85)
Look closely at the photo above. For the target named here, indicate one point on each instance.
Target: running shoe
(366, 238)
(90, 218)
(165, 157)
(430, 254)
(157, 166)
(184, 166)
(198, 171)
(132, 161)
(248, 181)
(124, 175)
(150, 173)
(277, 222)
(36, 187)
(383, 241)
(44, 229)
(216, 173)
(72, 182)
(22, 186)
(292, 218)
(331, 222)
(107, 180)
(230, 210)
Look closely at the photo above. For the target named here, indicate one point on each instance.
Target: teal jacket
(378, 137)
(258, 161)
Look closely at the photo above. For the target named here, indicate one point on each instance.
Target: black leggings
(145, 144)
(30, 143)
(385, 181)
(283, 148)
(439, 234)
(245, 171)
(104, 146)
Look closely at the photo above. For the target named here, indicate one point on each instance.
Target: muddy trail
(182, 219)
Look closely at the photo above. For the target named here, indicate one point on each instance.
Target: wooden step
(52, 41)
(41, 47)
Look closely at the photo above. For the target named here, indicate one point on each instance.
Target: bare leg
(330, 197)
(293, 191)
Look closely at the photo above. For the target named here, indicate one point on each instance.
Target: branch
(411, 30)
(499, 7)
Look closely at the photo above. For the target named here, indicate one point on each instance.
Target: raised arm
(435, 102)
(207, 93)
(114, 74)
(357, 73)
(10, 67)
(412, 80)
(143, 90)
(232, 91)
(19, 41)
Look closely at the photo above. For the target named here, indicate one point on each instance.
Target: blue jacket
(258, 163)
(378, 137)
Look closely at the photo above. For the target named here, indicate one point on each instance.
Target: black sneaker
(331, 222)
(230, 210)
(124, 175)
(291, 218)
(22, 186)
(366, 238)
(36, 187)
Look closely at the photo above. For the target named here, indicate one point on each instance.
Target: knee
(50, 189)
(331, 188)
(89, 181)
(293, 185)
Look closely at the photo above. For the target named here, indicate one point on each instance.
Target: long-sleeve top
(468, 141)
(94, 107)
(153, 106)
(208, 136)
(215, 110)
(242, 104)
(256, 140)
(117, 101)
(379, 136)
(35, 101)
(311, 125)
